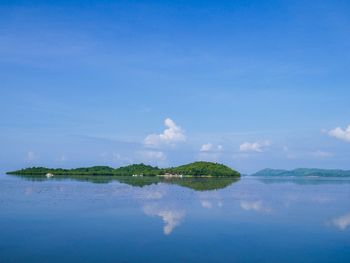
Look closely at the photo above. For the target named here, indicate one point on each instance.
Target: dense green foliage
(94, 170)
(139, 169)
(193, 169)
(203, 169)
(303, 172)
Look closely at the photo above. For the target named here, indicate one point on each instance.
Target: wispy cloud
(254, 147)
(210, 152)
(209, 147)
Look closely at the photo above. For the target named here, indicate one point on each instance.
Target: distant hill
(304, 172)
(195, 169)
(203, 169)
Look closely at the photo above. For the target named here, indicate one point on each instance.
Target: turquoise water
(249, 220)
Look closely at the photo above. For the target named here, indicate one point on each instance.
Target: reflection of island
(198, 184)
(204, 184)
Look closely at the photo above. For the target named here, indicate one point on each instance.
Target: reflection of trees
(204, 183)
(198, 184)
(304, 180)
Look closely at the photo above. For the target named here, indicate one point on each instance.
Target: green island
(199, 176)
(196, 169)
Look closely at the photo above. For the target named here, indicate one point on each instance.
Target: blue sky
(252, 84)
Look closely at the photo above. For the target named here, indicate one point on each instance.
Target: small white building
(49, 175)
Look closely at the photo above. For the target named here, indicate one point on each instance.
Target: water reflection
(257, 206)
(219, 205)
(153, 193)
(303, 180)
(198, 184)
(342, 222)
(171, 217)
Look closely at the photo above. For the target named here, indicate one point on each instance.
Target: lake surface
(145, 220)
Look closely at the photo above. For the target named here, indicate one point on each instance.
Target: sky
(251, 84)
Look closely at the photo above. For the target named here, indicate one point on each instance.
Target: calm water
(250, 220)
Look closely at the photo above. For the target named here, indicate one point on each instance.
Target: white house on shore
(49, 175)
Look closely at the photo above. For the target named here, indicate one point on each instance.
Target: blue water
(251, 220)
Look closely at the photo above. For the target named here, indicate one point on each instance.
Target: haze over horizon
(251, 84)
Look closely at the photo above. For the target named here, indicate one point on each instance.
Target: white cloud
(172, 134)
(341, 134)
(253, 147)
(210, 152)
(208, 147)
(171, 218)
(342, 222)
(255, 206)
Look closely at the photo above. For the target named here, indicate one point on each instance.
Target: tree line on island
(195, 169)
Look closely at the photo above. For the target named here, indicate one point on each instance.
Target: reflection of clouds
(321, 199)
(150, 192)
(206, 204)
(255, 206)
(342, 222)
(28, 190)
(171, 217)
(210, 200)
(151, 195)
(310, 197)
(154, 195)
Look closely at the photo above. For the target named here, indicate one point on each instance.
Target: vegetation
(304, 172)
(192, 169)
(203, 169)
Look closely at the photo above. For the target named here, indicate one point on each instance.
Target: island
(303, 172)
(195, 169)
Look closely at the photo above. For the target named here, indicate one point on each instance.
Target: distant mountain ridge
(304, 172)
